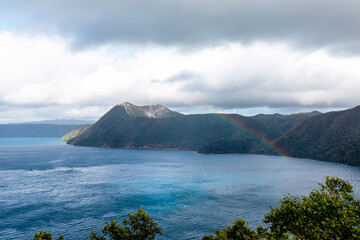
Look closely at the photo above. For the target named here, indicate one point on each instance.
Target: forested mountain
(130, 126)
(333, 136)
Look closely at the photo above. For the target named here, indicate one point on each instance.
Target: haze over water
(48, 185)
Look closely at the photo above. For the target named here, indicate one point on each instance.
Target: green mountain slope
(333, 136)
(130, 126)
(75, 132)
(276, 125)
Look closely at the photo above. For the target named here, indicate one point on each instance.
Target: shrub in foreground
(45, 236)
(140, 226)
(328, 213)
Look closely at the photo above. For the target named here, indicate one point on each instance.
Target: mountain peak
(148, 111)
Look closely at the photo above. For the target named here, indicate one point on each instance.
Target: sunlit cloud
(41, 71)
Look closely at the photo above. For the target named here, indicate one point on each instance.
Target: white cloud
(39, 71)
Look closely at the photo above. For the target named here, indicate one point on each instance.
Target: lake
(48, 185)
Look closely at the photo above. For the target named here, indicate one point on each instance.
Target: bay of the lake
(66, 190)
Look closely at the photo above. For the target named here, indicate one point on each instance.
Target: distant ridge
(45, 128)
(36, 130)
(59, 122)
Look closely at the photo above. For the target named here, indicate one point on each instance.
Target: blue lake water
(48, 185)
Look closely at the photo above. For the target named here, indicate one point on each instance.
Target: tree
(139, 226)
(328, 213)
(239, 230)
(45, 236)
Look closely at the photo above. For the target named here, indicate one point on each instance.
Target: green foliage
(228, 146)
(328, 213)
(45, 236)
(139, 226)
(239, 230)
(206, 133)
(75, 133)
(332, 137)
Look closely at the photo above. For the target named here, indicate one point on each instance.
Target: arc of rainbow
(262, 138)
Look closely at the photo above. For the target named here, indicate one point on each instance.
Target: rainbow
(262, 138)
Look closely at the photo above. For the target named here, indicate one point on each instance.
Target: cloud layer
(41, 72)
(309, 23)
(76, 59)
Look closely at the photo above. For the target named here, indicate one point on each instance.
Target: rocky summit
(149, 111)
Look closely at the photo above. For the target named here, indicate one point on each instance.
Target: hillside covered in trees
(333, 136)
(206, 133)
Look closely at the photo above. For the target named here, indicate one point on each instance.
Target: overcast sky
(78, 58)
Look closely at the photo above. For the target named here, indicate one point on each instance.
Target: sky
(76, 59)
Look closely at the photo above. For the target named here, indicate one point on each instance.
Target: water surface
(48, 185)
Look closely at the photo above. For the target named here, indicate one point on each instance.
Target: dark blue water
(48, 185)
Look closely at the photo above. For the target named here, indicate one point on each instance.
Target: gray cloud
(182, 76)
(308, 23)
